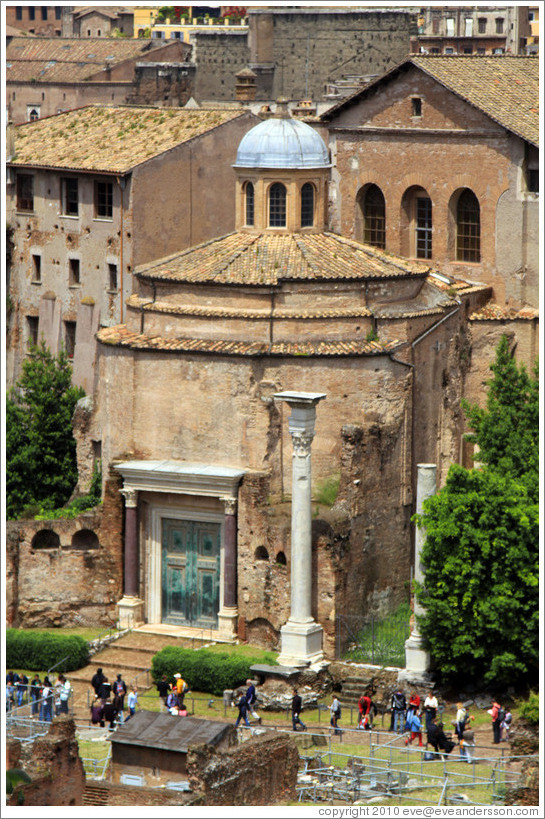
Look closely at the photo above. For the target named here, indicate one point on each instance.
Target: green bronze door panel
(190, 572)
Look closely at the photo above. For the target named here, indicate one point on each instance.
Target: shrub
(40, 650)
(529, 709)
(327, 490)
(204, 670)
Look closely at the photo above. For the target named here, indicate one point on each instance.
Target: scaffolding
(405, 775)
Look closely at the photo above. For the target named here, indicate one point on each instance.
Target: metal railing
(372, 640)
(97, 768)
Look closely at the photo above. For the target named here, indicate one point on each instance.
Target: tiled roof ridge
(497, 312)
(298, 239)
(237, 254)
(372, 251)
(120, 336)
(141, 269)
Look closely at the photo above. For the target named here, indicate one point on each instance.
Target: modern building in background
(479, 29)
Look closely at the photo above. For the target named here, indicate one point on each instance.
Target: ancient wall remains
(218, 56)
(63, 573)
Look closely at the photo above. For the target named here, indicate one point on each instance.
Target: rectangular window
(18, 12)
(69, 338)
(423, 227)
(103, 200)
(31, 13)
(44, 12)
(416, 104)
(435, 26)
(36, 268)
(450, 26)
(449, 51)
(468, 27)
(482, 25)
(58, 13)
(498, 51)
(468, 50)
(25, 192)
(69, 195)
(112, 276)
(73, 272)
(499, 25)
(32, 324)
(481, 51)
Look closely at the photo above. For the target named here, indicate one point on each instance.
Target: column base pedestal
(301, 644)
(417, 661)
(227, 624)
(130, 612)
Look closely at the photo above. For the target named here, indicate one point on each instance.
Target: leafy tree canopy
(480, 557)
(40, 449)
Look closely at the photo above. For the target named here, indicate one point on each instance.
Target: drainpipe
(122, 182)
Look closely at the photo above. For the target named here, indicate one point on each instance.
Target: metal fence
(372, 640)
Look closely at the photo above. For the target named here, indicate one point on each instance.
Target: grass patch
(326, 491)
(382, 642)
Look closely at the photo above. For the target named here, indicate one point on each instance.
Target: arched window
(307, 205)
(45, 539)
(261, 553)
(84, 539)
(277, 205)
(468, 228)
(281, 558)
(249, 201)
(423, 227)
(374, 217)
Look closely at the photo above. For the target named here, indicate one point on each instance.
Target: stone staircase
(353, 687)
(130, 656)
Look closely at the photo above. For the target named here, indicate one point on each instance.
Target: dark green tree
(40, 448)
(481, 552)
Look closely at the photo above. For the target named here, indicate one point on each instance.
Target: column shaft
(131, 552)
(301, 545)
(230, 561)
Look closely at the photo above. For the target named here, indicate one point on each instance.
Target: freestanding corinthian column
(417, 659)
(301, 635)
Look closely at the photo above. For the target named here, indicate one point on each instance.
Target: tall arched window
(423, 227)
(307, 205)
(468, 228)
(374, 217)
(249, 197)
(277, 205)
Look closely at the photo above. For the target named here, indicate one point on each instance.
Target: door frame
(153, 603)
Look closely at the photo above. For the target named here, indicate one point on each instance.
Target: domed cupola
(282, 169)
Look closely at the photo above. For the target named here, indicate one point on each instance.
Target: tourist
(414, 725)
(22, 688)
(163, 688)
(97, 680)
(172, 702)
(460, 721)
(414, 705)
(120, 689)
(181, 687)
(430, 707)
(47, 698)
(97, 712)
(467, 744)
(105, 689)
(335, 709)
(35, 687)
(251, 699)
(438, 739)
(132, 700)
(505, 726)
(497, 717)
(10, 695)
(64, 693)
(110, 713)
(398, 707)
(364, 707)
(242, 711)
(296, 708)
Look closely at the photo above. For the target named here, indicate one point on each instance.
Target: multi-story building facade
(44, 20)
(479, 29)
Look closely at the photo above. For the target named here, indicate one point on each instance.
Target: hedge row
(204, 670)
(38, 651)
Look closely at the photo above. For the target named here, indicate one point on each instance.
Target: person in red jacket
(497, 717)
(364, 706)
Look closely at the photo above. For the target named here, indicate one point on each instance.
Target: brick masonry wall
(66, 586)
(54, 765)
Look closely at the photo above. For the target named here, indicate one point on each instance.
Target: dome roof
(282, 142)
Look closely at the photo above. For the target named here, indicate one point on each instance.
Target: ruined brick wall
(162, 84)
(259, 771)
(219, 56)
(66, 572)
(56, 770)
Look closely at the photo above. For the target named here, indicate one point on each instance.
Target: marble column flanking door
(301, 636)
(228, 614)
(130, 607)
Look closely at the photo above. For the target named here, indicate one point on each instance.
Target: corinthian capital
(131, 496)
(229, 505)
(302, 441)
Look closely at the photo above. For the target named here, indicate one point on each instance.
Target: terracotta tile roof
(108, 138)
(494, 312)
(70, 59)
(243, 312)
(267, 258)
(505, 88)
(120, 336)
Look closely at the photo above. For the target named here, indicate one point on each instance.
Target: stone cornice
(179, 477)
